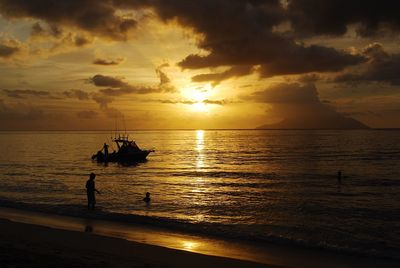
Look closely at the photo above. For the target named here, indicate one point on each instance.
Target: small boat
(128, 152)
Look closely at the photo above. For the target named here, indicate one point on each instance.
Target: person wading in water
(90, 190)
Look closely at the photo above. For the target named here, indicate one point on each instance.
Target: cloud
(241, 33)
(102, 100)
(88, 114)
(26, 116)
(107, 81)
(309, 78)
(381, 67)
(23, 112)
(165, 82)
(113, 113)
(164, 79)
(216, 78)
(21, 93)
(190, 102)
(117, 87)
(97, 17)
(80, 40)
(216, 102)
(128, 90)
(38, 30)
(247, 41)
(108, 62)
(77, 94)
(10, 48)
(333, 17)
(299, 107)
(286, 93)
(7, 51)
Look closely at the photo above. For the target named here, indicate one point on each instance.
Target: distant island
(336, 121)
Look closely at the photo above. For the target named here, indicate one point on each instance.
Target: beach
(25, 245)
(58, 241)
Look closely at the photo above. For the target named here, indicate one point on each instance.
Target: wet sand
(30, 239)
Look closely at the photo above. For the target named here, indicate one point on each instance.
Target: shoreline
(217, 252)
(25, 245)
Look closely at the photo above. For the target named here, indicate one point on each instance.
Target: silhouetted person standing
(339, 176)
(147, 198)
(105, 151)
(90, 190)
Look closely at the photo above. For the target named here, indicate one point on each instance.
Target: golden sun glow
(198, 95)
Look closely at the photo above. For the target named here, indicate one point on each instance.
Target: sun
(200, 107)
(197, 95)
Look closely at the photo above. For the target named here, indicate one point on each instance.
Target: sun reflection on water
(189, 245)
(199, 148)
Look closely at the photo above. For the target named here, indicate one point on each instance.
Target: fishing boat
(128, 152)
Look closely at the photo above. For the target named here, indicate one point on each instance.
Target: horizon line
(189, 129)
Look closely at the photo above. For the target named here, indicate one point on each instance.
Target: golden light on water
(199, 148)
(189, 245)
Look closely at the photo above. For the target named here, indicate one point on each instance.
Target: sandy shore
(25, 245)
(29, 239)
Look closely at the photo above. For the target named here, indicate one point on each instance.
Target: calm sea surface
(259, 185)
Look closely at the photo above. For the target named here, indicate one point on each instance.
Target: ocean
(256, 185)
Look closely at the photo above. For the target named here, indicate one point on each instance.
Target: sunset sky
(78, 65)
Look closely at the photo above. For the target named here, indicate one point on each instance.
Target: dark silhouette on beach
(147, 198)
(90, 191)
(105, 147)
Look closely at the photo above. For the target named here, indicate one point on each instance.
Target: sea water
(272, 185)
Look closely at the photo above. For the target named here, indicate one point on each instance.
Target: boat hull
(131, 157)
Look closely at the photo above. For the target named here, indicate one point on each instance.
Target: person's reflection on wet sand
(88, 229)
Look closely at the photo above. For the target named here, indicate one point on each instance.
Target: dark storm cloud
(381, 67)
(108, 62)
(310, 59)
(233, 33)
(7, 51)
(21, 93)
(237, 33)
(97, 17)
(334, 16)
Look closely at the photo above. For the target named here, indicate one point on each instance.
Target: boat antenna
(123, 121)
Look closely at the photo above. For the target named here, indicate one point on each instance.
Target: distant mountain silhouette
(336, 121)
